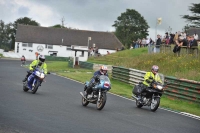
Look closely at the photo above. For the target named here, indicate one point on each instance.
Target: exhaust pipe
(81, 93)
(134, 97)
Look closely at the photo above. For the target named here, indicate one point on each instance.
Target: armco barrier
(176, 88)
(86, 65)
(54, 58)
(183, 89)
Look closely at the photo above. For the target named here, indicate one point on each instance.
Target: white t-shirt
(196, 37)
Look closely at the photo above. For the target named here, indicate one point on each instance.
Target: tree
(57, 26)
(195, 18)
(130, 26)
(24, 21)
(5, 36)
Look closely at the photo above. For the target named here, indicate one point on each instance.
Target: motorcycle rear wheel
(155, 104)
(100, 104)
(36, 87)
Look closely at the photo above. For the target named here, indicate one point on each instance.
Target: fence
(177, 88)
(54, 58)
(184, 50)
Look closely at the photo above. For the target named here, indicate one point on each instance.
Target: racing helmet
(155, 68)
(103, 69)
(42, 58)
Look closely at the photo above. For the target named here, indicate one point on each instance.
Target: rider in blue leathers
(103, 71)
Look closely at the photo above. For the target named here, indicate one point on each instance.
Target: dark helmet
(42, 58)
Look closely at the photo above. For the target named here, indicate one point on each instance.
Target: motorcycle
(100, 86)
(150, 96)
(34, 80)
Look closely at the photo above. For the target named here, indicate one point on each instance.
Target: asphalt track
(56, 108)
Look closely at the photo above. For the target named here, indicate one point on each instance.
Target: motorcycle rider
(23, 59)
(40, 63)
(103, 71)
(149, 78)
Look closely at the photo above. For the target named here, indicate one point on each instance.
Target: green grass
(120, 88)
(185, 66)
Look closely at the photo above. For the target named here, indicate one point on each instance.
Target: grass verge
(120, 88)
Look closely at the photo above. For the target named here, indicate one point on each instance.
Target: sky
(98, 15)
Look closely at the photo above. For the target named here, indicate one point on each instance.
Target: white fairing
(42, 75)
(38, 73)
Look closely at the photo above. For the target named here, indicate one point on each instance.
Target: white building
(62, 42)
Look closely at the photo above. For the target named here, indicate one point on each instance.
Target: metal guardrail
(86, 65)
(176, 88)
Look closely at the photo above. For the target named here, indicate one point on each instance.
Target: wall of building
(62, 51)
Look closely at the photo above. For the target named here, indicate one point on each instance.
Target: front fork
(99, 97)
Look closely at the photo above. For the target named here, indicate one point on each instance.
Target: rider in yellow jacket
(40, 63)
(149, 78)
(153, 75)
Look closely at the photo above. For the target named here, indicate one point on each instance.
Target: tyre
(36, 87)
(84, 102)
(24, 87)
(100, 104)
(138, 104)
(155, 104)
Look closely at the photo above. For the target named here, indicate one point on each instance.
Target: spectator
(180, 42)
(122, 48)
(176, 37)
(166, 38)
(23, 60)
(158, 42)
(36, 55)
(143, 42)
(133, 44)
(195, 36)
(108, 52)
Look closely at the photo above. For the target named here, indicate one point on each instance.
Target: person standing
(158, 42)
(195, 36)
(36, 55)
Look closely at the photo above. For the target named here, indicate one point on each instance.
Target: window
(45, 45)
(30, 44)
(68, 48)
(24, 44)
(50, 46)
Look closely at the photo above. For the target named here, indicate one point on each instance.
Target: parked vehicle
(34, 80)
(150, 96)
(98, 96)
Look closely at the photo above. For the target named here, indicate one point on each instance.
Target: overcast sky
(97, 15)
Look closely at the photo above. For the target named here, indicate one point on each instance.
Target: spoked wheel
(100, 104)
(36, 87)
(84, 102)
(138, 104)
(24, 87)
(155, 104)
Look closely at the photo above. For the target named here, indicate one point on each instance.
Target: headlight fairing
(159, 87)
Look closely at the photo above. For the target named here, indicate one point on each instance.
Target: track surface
(56, 108)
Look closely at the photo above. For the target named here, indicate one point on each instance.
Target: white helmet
(42, 58)
(103, 69)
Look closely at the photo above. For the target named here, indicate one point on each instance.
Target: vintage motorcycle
(100, 86)
(150, 96)
(34, 80)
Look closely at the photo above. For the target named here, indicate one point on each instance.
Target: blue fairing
(32, 79)
(103, 79)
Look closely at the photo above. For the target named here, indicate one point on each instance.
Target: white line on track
(180, 113)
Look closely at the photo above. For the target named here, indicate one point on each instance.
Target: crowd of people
(179, 39)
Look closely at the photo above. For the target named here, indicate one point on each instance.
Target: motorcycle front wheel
(138, 104)
(155, 104)
(84, 102)
(24, 87)
(100, 104)
(36, 87)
